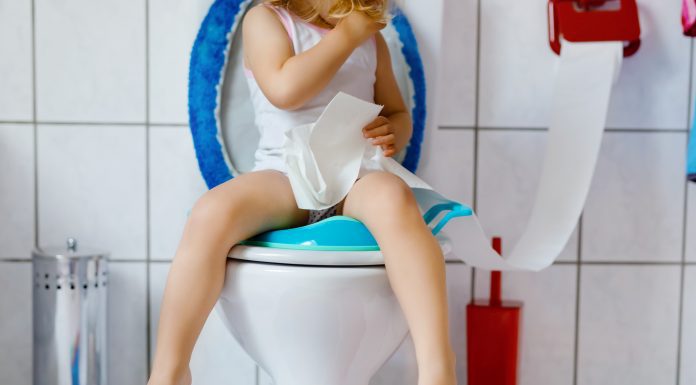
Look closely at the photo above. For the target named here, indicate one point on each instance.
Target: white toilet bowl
(313, 317)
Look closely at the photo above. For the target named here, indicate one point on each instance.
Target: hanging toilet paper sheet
(322, 172)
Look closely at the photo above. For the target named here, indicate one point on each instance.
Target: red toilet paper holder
(580, 21)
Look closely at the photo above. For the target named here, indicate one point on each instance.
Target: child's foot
(184, 379)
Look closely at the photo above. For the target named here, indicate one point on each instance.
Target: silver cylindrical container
(70, 308)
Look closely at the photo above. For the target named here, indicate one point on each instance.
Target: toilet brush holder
(70, 305)
(493, 328)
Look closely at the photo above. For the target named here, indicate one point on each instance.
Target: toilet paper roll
(322, 173)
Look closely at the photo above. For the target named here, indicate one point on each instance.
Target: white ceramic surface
(173, 25)
(127, 320)
(456, 105)
(318, 325)
(15, 323)
(691, 224)
(92, 186)
(175, 184)
(90, 60)
(687, 372)
(16, 191)
(320, 257)
(635, 207)
(15, 66)
(628, 324)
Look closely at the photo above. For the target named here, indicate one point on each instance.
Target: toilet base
(308, 325)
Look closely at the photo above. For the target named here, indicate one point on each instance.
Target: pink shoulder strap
(284, 17)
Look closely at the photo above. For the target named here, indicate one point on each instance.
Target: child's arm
(290, 80)
(392, 130)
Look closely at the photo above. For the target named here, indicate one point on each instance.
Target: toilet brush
(493, 336)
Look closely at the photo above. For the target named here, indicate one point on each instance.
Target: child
(299, 55)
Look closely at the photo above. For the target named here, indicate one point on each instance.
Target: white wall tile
(16, 65)
(687, 373)
(90, 60)
(447, 164)
(457, 91)
(425, 18)
(518, 67)
(15, 323)
(660, 99)
(547, 340)
(628, 325)
(509, 169)
(175, 184)
(173, 28)
(16, 191)
(91, 186)
(127, 323)
(691, 224)
(515, 64)
(635, 207)
(217, 357)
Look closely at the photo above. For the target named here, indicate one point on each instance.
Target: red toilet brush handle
(496, 277)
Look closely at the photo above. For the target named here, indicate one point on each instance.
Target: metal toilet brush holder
(70, 306)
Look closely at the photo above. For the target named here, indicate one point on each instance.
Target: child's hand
(359, 26)
(380, 133)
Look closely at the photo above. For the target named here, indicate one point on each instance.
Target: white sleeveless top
(356, 77)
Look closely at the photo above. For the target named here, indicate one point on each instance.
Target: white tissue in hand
(325, 159)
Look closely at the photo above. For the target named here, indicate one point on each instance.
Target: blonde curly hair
(375, 9)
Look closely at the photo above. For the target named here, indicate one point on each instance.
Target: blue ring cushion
(342, 233)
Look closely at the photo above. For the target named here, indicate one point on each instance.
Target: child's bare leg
(415, 266)
(236, 210)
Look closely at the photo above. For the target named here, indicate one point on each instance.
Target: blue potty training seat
(225, 138)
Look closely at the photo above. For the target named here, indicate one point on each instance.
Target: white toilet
(312, 317)
(308, 312)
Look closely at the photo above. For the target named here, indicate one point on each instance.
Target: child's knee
(386, 192)
(214, 208)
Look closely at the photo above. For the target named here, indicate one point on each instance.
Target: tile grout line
(35, 128)
(148, 294)
(174, 125)
(682, 271)
(95, 123)
(576, 336)
(477, 93)
(609, 129)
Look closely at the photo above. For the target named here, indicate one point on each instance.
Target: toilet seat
(341, 240)
(318, 257)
